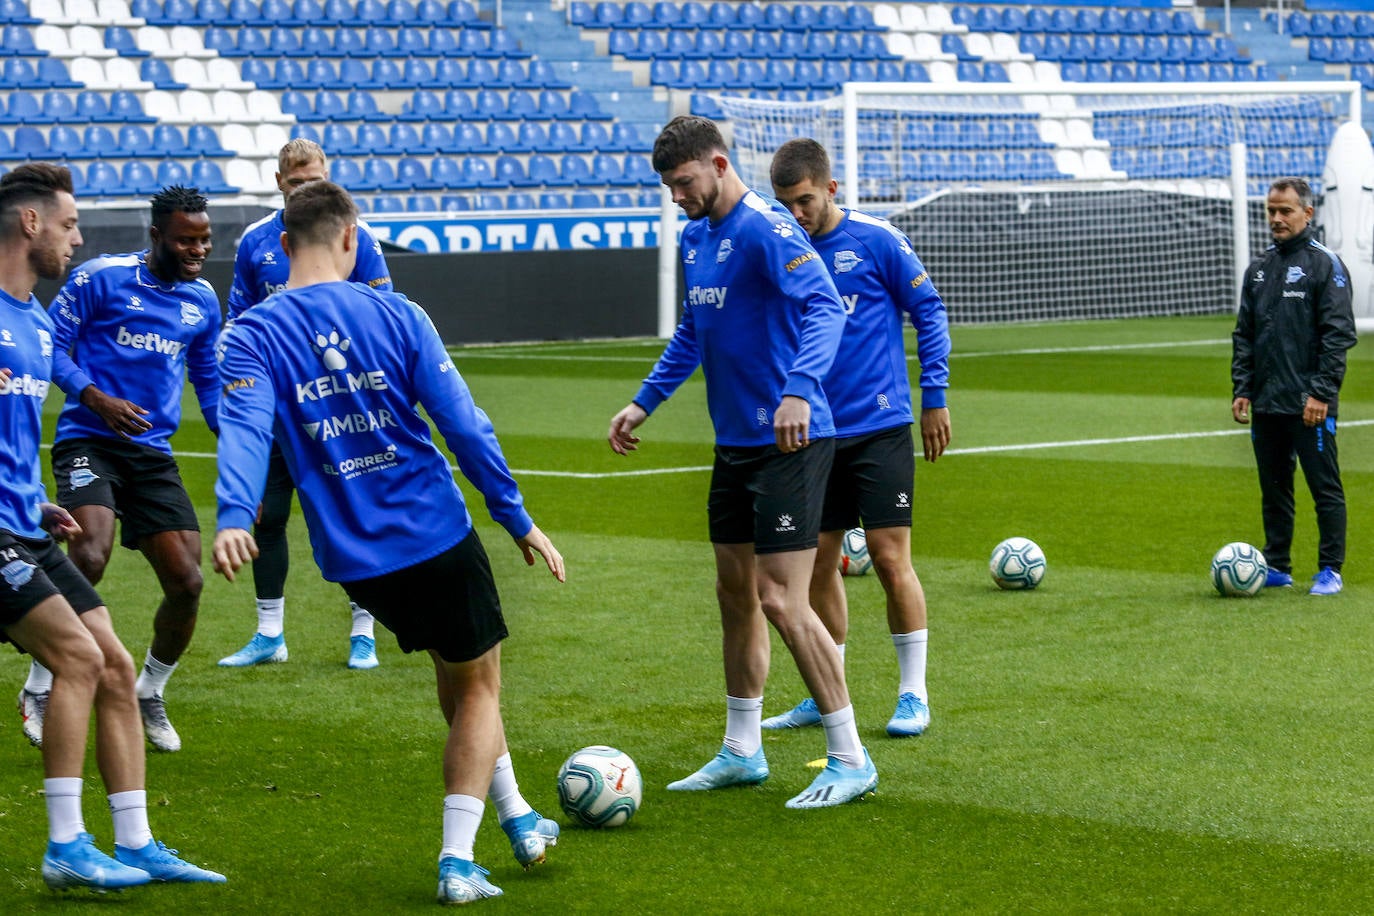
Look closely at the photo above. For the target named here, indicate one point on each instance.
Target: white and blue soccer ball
(600, 786)
(854, 558)
(1239, 570)
(1017, 563)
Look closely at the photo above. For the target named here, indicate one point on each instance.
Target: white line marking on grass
(976, 354)
(975, 450)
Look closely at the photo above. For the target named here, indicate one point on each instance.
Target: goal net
(1063, 201)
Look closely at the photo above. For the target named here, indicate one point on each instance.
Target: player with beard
(46, 607)
(128, 330)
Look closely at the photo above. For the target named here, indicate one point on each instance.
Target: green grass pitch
(1121, 740)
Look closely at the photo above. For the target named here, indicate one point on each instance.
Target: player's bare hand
(621, 435)
(233, 548)
(1240, 410)
(538, 542)
(58, 522)
(123, 417)
(1314, 412)
(934, 431)
(792, 424)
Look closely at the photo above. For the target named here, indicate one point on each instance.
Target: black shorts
(871, 481)
(141, 484)
(32, 570)
(771, 499)
(447, 603)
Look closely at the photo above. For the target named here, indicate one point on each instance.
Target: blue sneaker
(79, 864)
(163, 865)
(362, 652)
(912, 717)
(803, 715)
(725, 769)
(461, 881)
(838, 784)
(260, 649)
(529, 836)
(1326, 582)
(1278, 579)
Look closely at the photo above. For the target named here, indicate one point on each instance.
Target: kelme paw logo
(332, 349)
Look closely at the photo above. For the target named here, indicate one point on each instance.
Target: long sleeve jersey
(26, 350)
(1293, 327)
(762, 319)
(332, 372)
(133, 336)
(880, 280)
(261, 266)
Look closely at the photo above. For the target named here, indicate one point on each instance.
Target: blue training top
(133, 336)
(880, 279)
(332, 373)
(762, 319)
(26, 350)
(261, 266)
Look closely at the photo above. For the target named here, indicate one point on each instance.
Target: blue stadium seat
(90, 106)
(134, 140)
(639, 170)
(170, 172)
(445, 172)
(509, 171)
(413, 173)
(202, 140)
(380, 175)
(102, 180)
(98, 139)
(468, 137)
(573, 169)
(476, 172)
(585, 200)
(138, 178)
(372, 140)
(65, 143)
(168, 140)
(608, 170)
(542, 170)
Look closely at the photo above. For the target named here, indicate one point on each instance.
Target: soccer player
(882, 283)
(763, 320)
(1293, 329)
(129, 329)
(333, 371)
(47, 608)
(260, 269)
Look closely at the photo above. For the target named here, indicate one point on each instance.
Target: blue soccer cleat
(362, 653)
(803, 715)
(838, 784)
(163, 865)
(1277, 579)
(1326, 582)
(79, 864)
(912, 717)
(725, 769)
(529, 836)
(461, 881)
(260, 650)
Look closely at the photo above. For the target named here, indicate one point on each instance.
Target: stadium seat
(476, 172)
(531, 137)
(573, 169)
(138, 178)
(102, 180)
(542, 170)
(509, 171)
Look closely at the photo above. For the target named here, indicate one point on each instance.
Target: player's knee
(90, 559)
(185, 585)
(79, 663)
(117, 669)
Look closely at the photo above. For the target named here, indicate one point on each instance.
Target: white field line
(975, 450)
(486, 353)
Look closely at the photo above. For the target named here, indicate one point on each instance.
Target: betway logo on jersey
(154, 342)
(326, 386)
(366, 422)
(24, 385)
(708, 295)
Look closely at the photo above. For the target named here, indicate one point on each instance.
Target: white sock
(271, 616)
(842, 737)
(505, 793)
(743, 734)
(63, 797)
(911, 662)
(40, 679)
(462, 815)
(152, 680)
(130, 813)
(362, 621)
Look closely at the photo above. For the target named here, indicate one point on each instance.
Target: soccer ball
(1017, 563)
(854, 558)
(1239, 570)
(599, 786)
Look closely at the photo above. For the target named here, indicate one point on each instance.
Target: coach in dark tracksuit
(1288, 361)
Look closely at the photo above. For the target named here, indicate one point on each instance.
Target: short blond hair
(299, 152)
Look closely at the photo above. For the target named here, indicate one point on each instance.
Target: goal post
(1064, 200)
